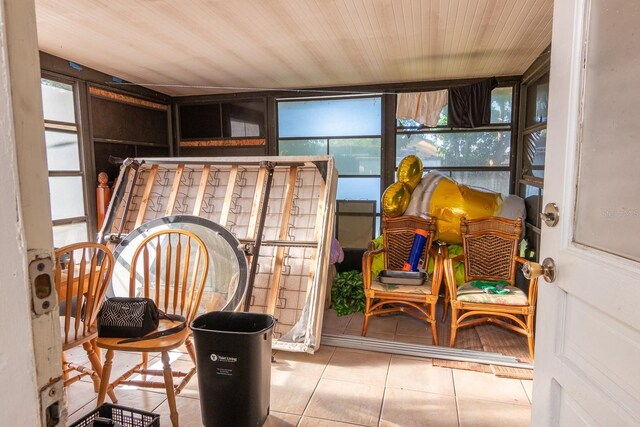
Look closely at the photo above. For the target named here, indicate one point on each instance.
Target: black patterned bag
(133, 318)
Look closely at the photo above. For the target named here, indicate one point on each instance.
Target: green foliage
(347, 293)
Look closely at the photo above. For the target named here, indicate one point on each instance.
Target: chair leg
(445, 309)
(454, 327)
(434, 324)
(192, 352)
(365, 321)
(530, 337)
(64, 366)
(97, 349)
(104, 380)
(531, 344)
(94, 358)
(95, 365)
(145, 364)
(168, 384)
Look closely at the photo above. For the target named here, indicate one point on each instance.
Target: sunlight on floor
(342, 387)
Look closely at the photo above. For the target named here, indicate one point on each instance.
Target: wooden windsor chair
(82, 274)
(173, 266)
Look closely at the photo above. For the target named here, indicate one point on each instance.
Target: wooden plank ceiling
(294, 43)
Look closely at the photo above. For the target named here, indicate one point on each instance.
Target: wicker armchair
(417, 301)
(490, 247)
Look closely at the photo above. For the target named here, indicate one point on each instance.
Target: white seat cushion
(469, 293)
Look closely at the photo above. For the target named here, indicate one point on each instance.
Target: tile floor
(344, 387)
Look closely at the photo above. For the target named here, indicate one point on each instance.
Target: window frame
(537, 71)
(493, 127)
(77, 128)
(378, 214)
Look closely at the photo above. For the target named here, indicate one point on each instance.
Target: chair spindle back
(82, 274)
(173, 265)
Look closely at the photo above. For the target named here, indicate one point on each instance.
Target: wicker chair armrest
(368, 255)
(367, 260)
(457, 258)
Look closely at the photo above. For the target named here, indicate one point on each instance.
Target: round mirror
(226, 282)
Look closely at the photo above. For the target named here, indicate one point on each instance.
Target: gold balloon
(451, 201)
(395, 199)
(410, 171)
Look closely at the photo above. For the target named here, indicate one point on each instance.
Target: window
(349, 129)
(478, 157)
(66, 172)
(532, 144)
(534, 134)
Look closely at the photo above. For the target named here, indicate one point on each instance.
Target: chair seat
(469, 293)
(166, 343)
(424, 289)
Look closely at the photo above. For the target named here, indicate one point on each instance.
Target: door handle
(550, 214)
(547, 270)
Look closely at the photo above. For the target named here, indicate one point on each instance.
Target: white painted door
(587, 369)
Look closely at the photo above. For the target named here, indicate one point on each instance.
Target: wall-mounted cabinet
(126, 126)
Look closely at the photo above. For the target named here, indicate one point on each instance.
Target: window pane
(359, 156)
(69, 233)
(329, 117)
(533, 201)
(537, 101)
(303, 147)
(535, 147)
(57, 101)
(355, 231)
(410, 123)
(62, 151)
(67, 197)
(456, 149)
(200, 121)
(495, 181)
(359, 189)
(501, 105)
(243, 119)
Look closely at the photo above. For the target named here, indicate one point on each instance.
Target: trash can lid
(233, 322)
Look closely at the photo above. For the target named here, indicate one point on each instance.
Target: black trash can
(233, 356)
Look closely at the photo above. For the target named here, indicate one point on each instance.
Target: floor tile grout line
(384, 391)
(525, 392)
(333, 421)
(499, 402)
(316, 387)
(455, 394)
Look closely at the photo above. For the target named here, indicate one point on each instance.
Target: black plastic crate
(127, 417)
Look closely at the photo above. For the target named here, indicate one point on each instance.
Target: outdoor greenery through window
(478, 157)
(349, 129)
(66, 178)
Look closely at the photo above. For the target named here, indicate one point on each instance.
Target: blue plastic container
(416, 250)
